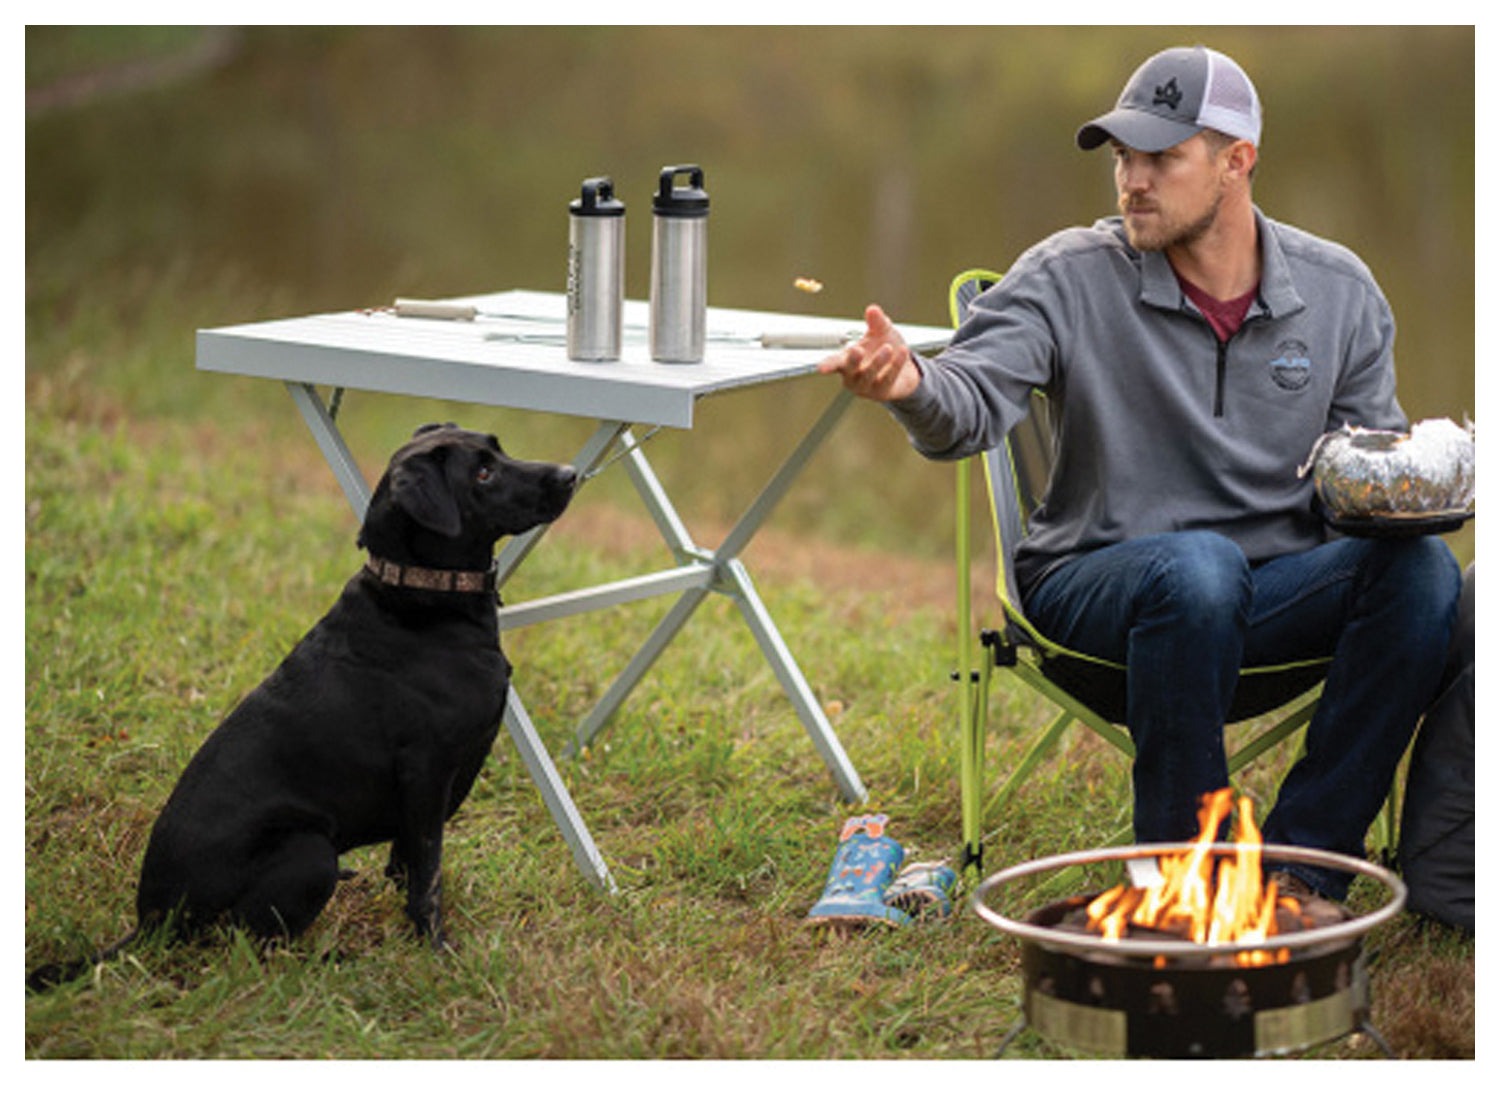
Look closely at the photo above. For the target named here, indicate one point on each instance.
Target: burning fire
(1198, 901)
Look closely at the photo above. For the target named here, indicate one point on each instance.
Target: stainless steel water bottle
(679, 266)
(596, 272)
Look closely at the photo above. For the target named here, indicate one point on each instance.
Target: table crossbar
(547, 608)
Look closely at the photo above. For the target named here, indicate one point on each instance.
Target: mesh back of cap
(1230, 104)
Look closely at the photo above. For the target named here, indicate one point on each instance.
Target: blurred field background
(323, 169)
(182, 531)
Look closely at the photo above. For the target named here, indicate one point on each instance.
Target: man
(1193, 351)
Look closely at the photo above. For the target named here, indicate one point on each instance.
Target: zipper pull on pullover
(1220, 366)
(1224, 317)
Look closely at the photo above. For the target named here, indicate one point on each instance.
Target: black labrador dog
(373, 728)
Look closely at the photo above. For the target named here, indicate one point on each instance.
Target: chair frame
(1015, 480)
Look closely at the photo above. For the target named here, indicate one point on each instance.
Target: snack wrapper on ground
(863, 868)
(923, 889)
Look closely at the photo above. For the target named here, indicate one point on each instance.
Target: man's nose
(1131, 175)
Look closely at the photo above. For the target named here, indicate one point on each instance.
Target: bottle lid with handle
(597, 200)
(681, 201)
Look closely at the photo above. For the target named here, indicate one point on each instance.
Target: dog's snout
(559, 487)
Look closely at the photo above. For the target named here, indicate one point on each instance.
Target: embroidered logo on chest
(1291, 368)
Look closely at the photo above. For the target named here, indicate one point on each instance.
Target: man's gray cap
(1173, 96)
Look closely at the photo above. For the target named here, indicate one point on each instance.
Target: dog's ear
(430, 426)
(419, 485)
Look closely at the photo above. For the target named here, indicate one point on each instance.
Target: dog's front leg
(424, 889)
(417, 855)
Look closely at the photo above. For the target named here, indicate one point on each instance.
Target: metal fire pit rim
(1312, 938)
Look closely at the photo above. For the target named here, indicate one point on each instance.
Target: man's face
(1168, 198)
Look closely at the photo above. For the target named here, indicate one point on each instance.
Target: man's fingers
(859, 360)
(876, 364)
(842, 361)
(872, 375)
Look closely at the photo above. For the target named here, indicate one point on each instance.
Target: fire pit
(1146, 991)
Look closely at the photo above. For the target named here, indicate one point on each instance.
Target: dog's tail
(61, 972)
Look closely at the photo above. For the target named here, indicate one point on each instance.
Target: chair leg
(973, 775)
(976, 714)
(1273, 736)
(1039, 681)
(972, 694)
(1034, 755)
(971, 769)
(1384, 833)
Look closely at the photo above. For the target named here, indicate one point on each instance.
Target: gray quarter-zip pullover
(1158, 426)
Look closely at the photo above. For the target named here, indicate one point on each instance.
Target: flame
(1230, 904)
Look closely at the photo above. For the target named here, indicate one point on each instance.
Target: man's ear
(1240, 158)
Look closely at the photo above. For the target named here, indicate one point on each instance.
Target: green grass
(169, 568)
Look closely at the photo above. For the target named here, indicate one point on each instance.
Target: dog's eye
(484, 474)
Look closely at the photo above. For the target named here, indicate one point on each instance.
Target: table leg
(733, 580)
(673, 531)
(739, 536)
(639, 665)
(555, 794)
(795, 685)
(326, 432)
(735, 575)
(773, 648)
(589, 456)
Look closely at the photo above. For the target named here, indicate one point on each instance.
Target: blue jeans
(1184, 611)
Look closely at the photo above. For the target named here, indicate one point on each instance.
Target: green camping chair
(1087, 690)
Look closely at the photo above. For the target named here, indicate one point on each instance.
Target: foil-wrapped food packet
(1379, 473)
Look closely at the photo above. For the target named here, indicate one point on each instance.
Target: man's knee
(1420, 575)
(1204, 576)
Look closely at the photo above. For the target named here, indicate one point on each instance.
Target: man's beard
(1167, 235)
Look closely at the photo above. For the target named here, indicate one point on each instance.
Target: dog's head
(450, 493)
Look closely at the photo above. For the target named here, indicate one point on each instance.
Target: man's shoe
(1300, 907)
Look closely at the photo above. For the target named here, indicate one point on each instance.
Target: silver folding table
(512, 354)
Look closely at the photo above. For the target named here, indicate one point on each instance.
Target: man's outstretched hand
(879, 366)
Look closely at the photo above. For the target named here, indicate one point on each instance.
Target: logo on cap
(1168, 94)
